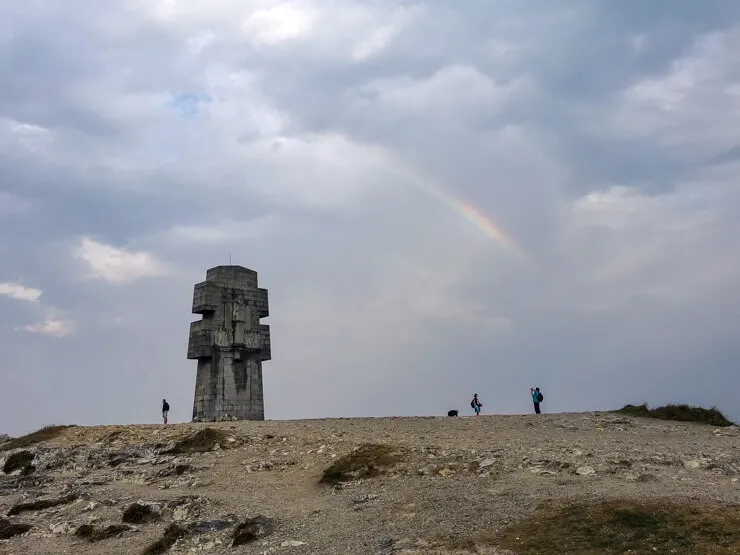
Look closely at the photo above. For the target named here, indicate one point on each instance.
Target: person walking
(537, 398)
(165, 410)
(476, 404)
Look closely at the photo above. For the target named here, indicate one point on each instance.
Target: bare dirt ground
(449, 482)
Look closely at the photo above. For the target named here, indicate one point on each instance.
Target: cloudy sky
(442, 198)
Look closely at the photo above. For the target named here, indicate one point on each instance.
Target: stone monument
(229, 344)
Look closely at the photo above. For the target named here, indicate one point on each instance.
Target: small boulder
(253, 529)
(485, 463)
(42, 504)
(94, 534)
(10, 529)
(18, 461)
(171, 534)
(61, 528)
(585, 471)
(210, 526)
(140, 513)
(427, 470)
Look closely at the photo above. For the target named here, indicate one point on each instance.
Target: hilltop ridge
(366, 486)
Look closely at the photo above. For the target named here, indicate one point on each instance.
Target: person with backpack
(537, 398)
(165, 410)
(475, 404)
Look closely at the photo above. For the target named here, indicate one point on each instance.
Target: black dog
(451, 413)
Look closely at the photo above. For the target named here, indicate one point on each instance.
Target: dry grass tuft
(623, 527)
(201, 441)
(47, 433)
(678, 413)
(367, 461)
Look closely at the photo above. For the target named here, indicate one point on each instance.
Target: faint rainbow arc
(471, 213)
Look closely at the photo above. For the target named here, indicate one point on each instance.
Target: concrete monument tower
(229, 344)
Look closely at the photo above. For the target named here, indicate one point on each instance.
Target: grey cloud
(732, 155)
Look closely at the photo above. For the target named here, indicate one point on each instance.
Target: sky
(441, 197)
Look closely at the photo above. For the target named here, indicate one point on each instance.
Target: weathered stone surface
(62, 528)
(253, 529)
(20, 460)
(210, 526)
(94, 534)
(141, 513)
(485, 463)
(292, 543)
(41, 504)
(10, 529)
(585, 471)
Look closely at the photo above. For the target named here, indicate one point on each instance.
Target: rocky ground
(417, 485)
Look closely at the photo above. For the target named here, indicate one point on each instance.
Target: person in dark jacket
(165, 410)
(537, 398)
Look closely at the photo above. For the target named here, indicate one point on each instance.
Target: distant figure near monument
(537, 398)
(165, 410)
(230, 345)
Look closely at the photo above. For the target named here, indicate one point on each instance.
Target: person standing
(165, 410)
(537, 398)
(476, 404)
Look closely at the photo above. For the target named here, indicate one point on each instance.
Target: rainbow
(437, 190)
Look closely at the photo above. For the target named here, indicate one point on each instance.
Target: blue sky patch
(189, 104)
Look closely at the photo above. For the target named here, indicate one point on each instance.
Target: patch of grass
(41, 504)
(47, 433)
(623, 527)
(679, 413)
(367, 461)
(200, 442)
(171, 534)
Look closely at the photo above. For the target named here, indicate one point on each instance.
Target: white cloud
(380, 38)
(286, 21)
(375, 43)
(689, 105)
(325, 171)
(218, 233)
(53, 327)
(18, 137)
(673, 246)
(116, 265)
(20, 292)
